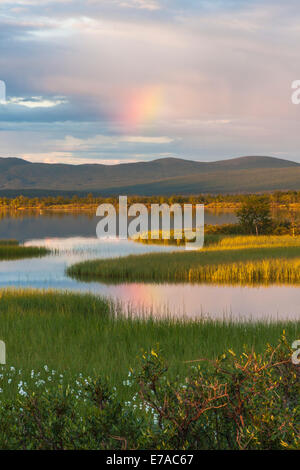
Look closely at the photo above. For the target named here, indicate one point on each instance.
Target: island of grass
(234, 259)
(11, 250)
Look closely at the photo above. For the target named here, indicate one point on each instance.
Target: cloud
(67, 158)
(147, 140)
(36, 102)
(90, 71)
(143, 4)
(147, 4)
(72, 143)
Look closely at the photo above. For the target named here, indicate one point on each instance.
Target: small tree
(293, 218)
(255, 215)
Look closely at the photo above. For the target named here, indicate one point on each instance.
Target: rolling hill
(163, 176)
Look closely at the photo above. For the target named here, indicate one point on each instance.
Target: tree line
(273, 199)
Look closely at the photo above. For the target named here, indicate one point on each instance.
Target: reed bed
(216, 241)
(256, 241)
(160, 238)
(11, 242)
(13, 252)
(261, 272)
(242, 260)
(81, 333)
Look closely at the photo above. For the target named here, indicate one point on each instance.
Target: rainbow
(143, 106)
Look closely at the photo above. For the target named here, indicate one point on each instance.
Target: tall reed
(81, 333)
(12, 252)
(11, 242)
(229, 260)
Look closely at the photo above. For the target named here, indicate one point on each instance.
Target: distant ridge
(162, 176)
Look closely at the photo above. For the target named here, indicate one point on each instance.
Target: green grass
(11, 250)
(243, 260)
(253, 241)
(74, 333)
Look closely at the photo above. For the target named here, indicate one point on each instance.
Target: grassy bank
(73, 333)
(239, 402)
(265, 259)
(11, 250)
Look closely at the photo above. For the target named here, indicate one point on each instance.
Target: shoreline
(88, 208)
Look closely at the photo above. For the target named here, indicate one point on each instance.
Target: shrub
(255, 215)
(245, 402)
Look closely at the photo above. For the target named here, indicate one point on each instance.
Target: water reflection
(24, 226)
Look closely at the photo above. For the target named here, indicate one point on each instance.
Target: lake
(72, 236)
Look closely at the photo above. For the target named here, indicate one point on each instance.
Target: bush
(255, 215)
(246, 402)
(225, 229)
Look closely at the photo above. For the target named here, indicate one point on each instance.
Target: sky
(116, 81)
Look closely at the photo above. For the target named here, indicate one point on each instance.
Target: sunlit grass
(225, 260)
(263, 241)
(216, 241)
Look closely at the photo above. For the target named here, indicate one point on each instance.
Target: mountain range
(163, 176)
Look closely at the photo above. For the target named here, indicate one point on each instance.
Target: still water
(73, 238)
